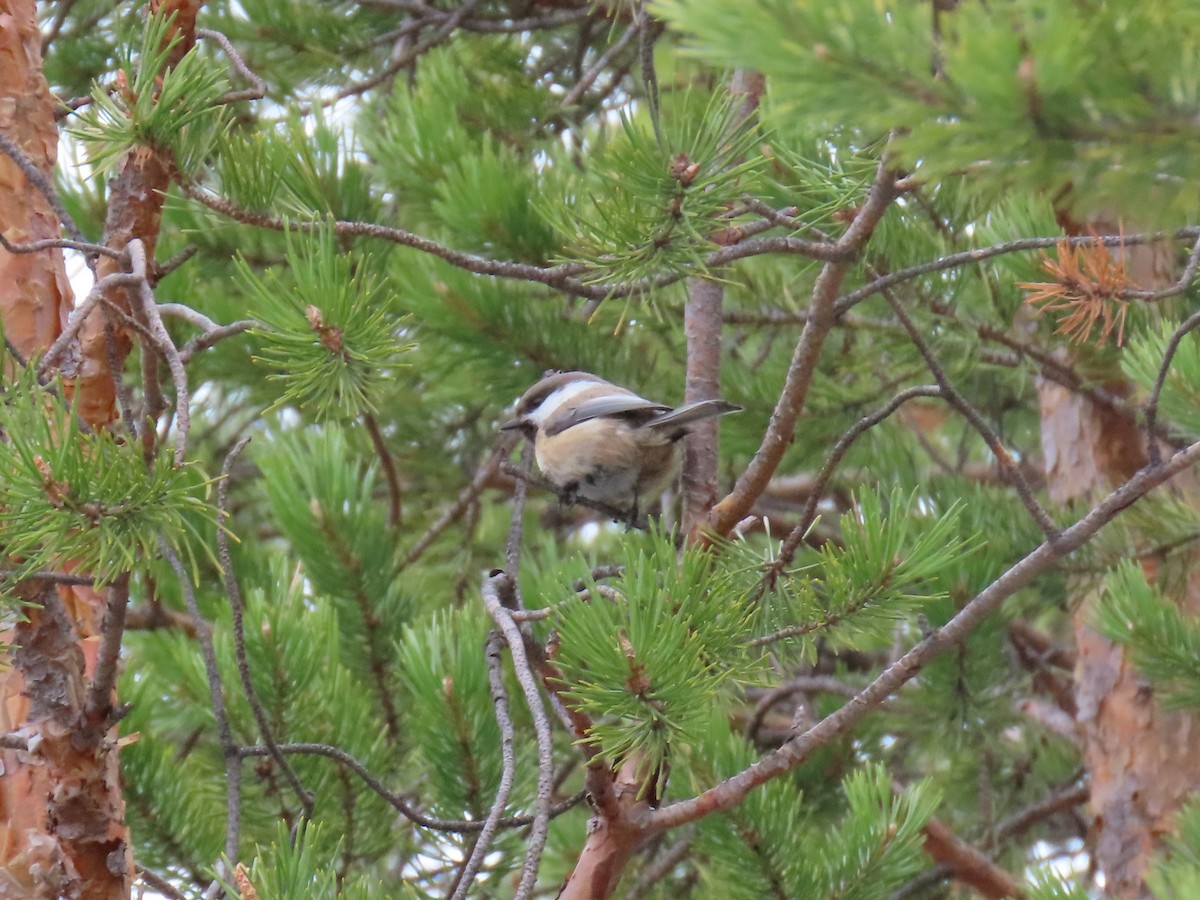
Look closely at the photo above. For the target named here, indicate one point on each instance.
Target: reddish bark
(63, 831)
(1141, 760)
(36, 294)
(62, 814)
(135, 204)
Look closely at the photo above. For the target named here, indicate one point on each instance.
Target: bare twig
(802, 685)
(787, 549)
(209, 338)
(166, 346)
(494, 586)
(661, 867)
(229, 749)
(395, 495)
(485, 472)
(163, 269)
(512, 549)
(79, 315)
(565, 277)
(492, 650)
(588, 78)
(443, 31)
(112, 631)
(234, 592)
(258, 87)
(52, 577)
(1021, 821)
(1189, 324)
(753, 480)
(972, 415)
(981, 254)
(730, 792)
(58, 243)
(45, 187)
(396, 800)
(160, 885)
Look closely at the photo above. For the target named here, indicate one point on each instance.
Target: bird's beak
(512, 425)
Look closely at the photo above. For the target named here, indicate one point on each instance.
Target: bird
(602, 442)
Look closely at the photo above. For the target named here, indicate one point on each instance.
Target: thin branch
(512, 548)
(406, 58)
(661, 867)
(163, 269)
(1021, 821)
(99, 705)
(1189, 325)
(61, 244)
(395, 495)
(504, 25)
(787, 549)
(804, 684)
(967, 864)
(234, 592)
(166, 346)
(52, 577)
(980, 254)
(229, 749)
(396, 800)
(485, 472)
(564, 278)
(258, 87)
(494, 586)
(492, 651)
(160, 885)
(732, 791)
(972, 415)
(753, 480)
(79, 314)
(210, 338)
(619, 515)
(45, 187)
(588, 78)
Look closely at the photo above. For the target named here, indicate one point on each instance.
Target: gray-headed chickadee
(596, 440)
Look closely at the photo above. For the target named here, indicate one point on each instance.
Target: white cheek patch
(550, 405)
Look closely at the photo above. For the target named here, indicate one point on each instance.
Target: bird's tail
(692, 412)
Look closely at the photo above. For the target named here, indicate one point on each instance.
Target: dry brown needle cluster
(1090, 287)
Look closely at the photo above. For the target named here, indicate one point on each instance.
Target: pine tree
(286, 614)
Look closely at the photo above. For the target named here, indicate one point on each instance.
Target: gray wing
(608, 405)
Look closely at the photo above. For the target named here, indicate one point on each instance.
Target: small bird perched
(602, 442)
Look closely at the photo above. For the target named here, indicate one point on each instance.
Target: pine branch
(733, 790)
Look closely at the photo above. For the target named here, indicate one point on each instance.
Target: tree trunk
(1140, 759)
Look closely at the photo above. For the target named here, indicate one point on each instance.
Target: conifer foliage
(288, 616)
